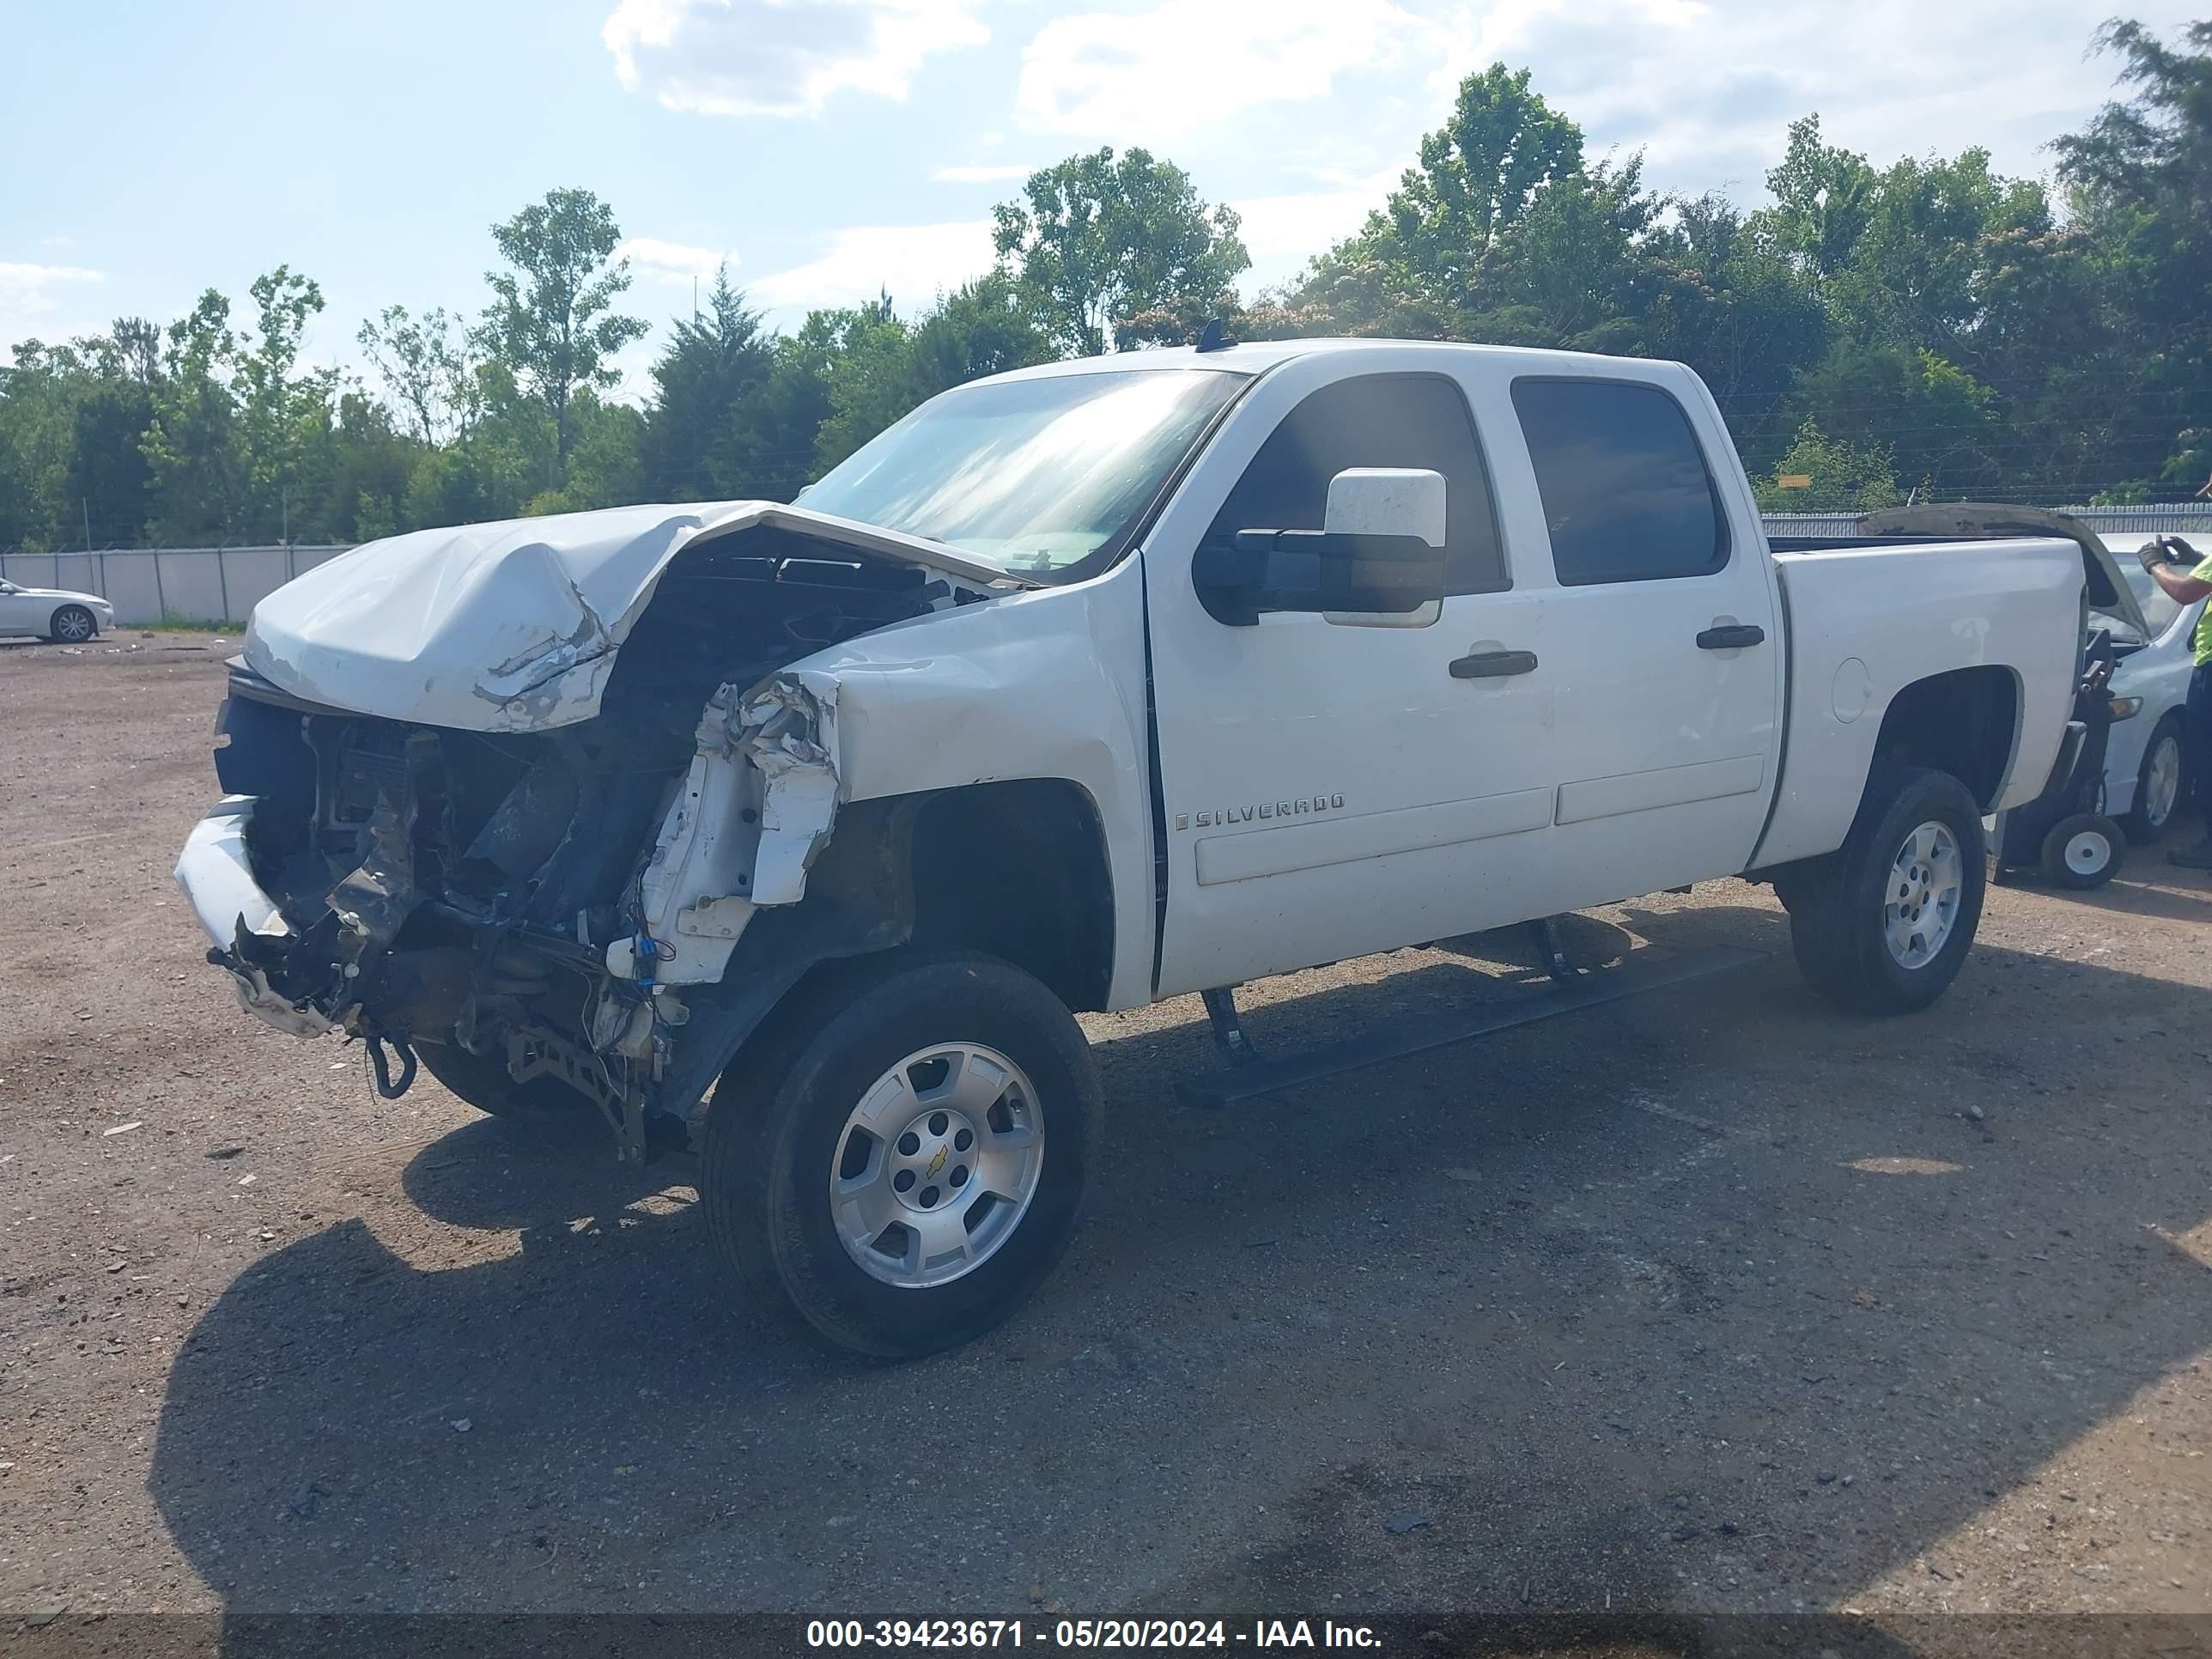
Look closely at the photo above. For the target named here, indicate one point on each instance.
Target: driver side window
(1375, 420)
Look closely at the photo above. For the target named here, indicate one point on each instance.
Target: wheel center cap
(932, 1159)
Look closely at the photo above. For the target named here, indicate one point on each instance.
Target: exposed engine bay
(543, 903)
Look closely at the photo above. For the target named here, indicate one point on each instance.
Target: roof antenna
(1214, 336)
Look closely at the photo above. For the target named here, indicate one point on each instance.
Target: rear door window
(1628, 494)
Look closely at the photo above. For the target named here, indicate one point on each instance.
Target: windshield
(2160, 608)
(1031, 476)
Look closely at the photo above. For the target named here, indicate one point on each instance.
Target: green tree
(371, 466)
(486, 476)
(1499, 233)
(2141, 173)
(1732, 304)
(882, 367)
(130, 351)
(1845, 478)
(1097, 240)
(39, 397)
(1916, 275)
(107, 461)
(493, 469)
(982, 327)
(195, 452)
(604, 469)
(1575, 270)
(713, 362)
(1477, 177)
(766, 448)
(283, 414)
(72, 421)
(1823, 198)
(2083, 403)
(867, 378)
(552, 321)
(1939, 422)
(428, 367)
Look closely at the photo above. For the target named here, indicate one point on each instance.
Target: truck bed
(1868, 616)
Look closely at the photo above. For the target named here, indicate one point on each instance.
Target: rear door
(1663, 648)
(1334, 786)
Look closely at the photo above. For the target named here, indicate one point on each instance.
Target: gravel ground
(1713, 1301)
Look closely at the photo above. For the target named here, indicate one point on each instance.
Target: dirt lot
(1711, 1301)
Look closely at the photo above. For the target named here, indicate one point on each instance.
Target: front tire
(898, 1164)
(2158, 785)
(1883, 924)
(72, 624)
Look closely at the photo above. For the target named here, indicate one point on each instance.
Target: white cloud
(1240, 91)
(30, 305)
(915, 262)
(982, 175)
(1706, 88)
(1169, 72)
(779, 56)
(674, 262)
(633, 365)
(1303, 223)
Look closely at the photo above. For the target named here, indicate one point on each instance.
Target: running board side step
(1415, 1034)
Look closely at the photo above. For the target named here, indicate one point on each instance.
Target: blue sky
(826, 146)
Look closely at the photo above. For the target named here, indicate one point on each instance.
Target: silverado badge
(1298, 807)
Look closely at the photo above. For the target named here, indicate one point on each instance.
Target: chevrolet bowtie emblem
(936, 1163)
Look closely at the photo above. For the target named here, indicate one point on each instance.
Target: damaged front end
(536, 907)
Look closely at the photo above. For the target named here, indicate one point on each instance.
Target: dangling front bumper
(216, 875)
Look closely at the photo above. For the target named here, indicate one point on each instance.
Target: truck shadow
(1571, 1320)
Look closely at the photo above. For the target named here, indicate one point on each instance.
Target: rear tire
(2160, 786)
(2084, 851)
(811, 1205)
(72, 624)
(1883, 924)
(482, 1081)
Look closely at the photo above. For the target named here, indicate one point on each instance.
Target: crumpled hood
(514, 626)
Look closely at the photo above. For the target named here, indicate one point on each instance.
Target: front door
(15, 616)
(1334, 786)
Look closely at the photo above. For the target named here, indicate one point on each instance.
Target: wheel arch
(1017, 869)
(1965, 721)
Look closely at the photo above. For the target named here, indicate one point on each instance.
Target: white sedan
(2143, 767)
(53, 613)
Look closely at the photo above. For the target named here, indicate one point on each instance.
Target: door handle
(1493, 664)
(1731, 636)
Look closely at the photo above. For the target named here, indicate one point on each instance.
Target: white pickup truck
(804, 827)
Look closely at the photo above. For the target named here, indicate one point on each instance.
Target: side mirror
(1380, 555)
